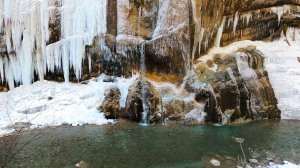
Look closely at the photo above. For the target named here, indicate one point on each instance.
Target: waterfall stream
(145, 114)
(144, 94)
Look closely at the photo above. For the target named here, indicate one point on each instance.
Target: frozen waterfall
(26, 33)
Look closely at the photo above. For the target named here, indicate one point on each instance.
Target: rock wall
(223, 22)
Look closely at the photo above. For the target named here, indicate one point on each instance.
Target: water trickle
(145, 113)
(144, 93)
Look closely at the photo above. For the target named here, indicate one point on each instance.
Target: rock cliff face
(73, 40)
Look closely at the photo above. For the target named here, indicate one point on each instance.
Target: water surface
(132, 145)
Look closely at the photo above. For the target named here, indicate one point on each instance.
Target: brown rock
(134, 102)
(111, 104)
(241, 96)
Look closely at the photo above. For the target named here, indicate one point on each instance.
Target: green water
(132, 145)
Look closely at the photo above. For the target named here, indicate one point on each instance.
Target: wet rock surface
(134, 102)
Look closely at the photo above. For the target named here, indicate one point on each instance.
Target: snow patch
(286, 164)
(46, 103)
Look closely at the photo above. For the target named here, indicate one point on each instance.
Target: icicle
(9, 74)
(198, 31)
(246, 18)
(280, 11)
(235, 22)
(81, 22)
(90, 63)
(230, 21)
(220, 33)
(201, 35)
(1, 69)
(1, 15)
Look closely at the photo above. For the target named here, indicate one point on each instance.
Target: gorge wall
(73, 40)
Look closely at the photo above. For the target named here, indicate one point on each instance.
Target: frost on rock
(26, 32)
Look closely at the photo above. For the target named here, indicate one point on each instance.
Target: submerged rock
(176, 108)
(82, 164)
(253, 161)
(215, 163)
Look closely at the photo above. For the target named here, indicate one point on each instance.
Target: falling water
(145, 114)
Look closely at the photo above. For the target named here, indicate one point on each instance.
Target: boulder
(234, 94)
(111, 104)
(134, 102)
(176, 108)
(215, 163)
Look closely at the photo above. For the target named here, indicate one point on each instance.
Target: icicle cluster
(280, 11)
(25, 25)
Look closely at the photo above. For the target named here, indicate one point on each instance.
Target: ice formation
(280, 11)
(220, 33)
(25, 25)
(235, 21)
(199, 30)
(246, 18)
